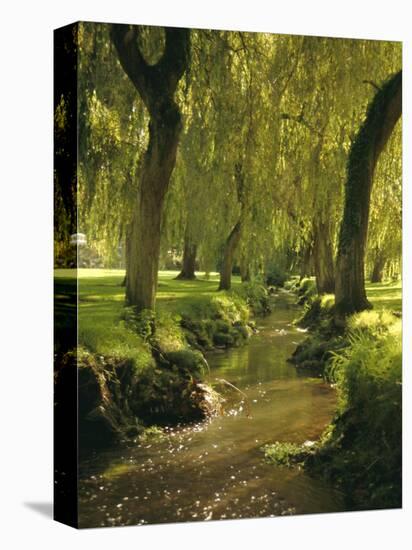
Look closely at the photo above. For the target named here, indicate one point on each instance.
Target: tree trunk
(305, 264)
(378, 267)
(189, 261)
(127, 255)
(156, 85)
(244, 271)
(383, 113)
(323, 258)
(228, 255)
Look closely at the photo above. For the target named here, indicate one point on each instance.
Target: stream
(215, 470)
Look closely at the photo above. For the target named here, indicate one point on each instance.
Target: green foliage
(317, 309)
(306, 292)
(171, 392)
(114, 339)
(255, 295)
(187, 361)
(275, 276)
(307, 286)
(326, 339)
(374, 354)
(108, 328)
(220, 322)
(141, 323)
(315, 352)
(152, 433)
(363, 450)
(168, 335)
(284, 454)
(223, 339)
(385, 220)
(283, 109)
(291, 181)
(292, 284)
(374, 323)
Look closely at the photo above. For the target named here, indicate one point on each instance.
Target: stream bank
(360, 451)
(149, 369)
(215, 469)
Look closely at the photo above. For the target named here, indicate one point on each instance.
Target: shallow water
(216, 470)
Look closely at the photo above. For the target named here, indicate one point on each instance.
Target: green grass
(101, 307)
(101, 301)
(102, 296)
(363, 450)
(385, 295)
(182, 296)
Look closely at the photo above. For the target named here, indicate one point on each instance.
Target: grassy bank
(325, 337)
(150, 366)
(361, 450)
(186, 312)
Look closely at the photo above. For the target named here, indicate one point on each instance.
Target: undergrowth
(361, 450)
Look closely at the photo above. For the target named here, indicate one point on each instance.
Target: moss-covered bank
(149, 369)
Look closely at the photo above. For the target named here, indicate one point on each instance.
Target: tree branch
(175, 58)
(125, 38)
(149, 79)
(301, 120)
(372, 84)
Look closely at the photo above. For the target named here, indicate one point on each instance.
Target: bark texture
(233, 240)
(156, 85)
(383, 113)
(378, 266)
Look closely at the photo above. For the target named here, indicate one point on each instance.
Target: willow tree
(112, 141)
(310, 120)
(381, 118)
(253, 79)
(225, 180)
(319, 122)
(197, 194)
(156, 84)
(384, 246)
(233, 240)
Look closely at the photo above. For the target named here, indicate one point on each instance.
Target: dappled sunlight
(386, 295)
(215, 470)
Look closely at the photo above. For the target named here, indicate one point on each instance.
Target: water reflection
(215, 470)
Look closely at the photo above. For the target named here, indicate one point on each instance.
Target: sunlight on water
(216, 470)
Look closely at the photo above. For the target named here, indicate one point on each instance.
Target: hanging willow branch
(300, 120)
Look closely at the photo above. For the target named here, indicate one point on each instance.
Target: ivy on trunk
(383, 113)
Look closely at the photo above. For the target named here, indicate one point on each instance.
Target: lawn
(101, 294)
(387, 295)
(101, 300)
